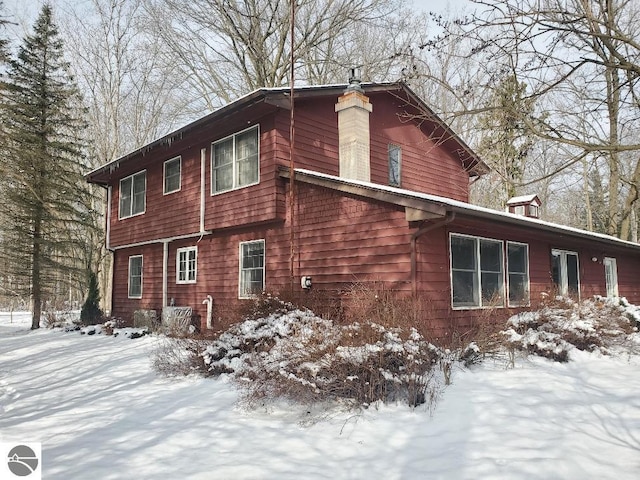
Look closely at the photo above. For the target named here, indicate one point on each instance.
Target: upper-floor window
(235, 161)
(476, 272)
(186, 264)
(251, 268)
(135, 276)
(132, 194)
(565, 273)
(395, 154)
(172, 171)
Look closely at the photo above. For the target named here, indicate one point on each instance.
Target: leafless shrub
(595, 324)
(176, 356)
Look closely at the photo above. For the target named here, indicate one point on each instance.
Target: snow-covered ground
(101, 412)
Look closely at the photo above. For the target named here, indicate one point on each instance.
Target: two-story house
(381, 190)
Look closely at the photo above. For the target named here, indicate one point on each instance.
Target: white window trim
(234, 163)
(186, 250)
(508, 283)
(264, 268)
(564, 280)
(478, 272)
(141, 276)
(613, 262)
(120, 216)
(164, 176)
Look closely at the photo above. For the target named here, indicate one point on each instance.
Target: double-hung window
(251, 268)
(565, 272)
(135, 276)
(132, 194)
(394, 154)
(611, 276)
(172, 171)
(235, 161)
(186, 265)
(476, 272)
(518, 274)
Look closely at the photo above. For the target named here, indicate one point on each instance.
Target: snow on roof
(522, 199)
(475, 210)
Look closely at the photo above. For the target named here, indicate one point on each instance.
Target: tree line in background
(544, 90)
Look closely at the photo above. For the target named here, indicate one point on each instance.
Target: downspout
(165, 272)
(449, 217)
(107, 242)
(203, 160)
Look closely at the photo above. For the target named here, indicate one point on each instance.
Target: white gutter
(163, 240)
(203, 160)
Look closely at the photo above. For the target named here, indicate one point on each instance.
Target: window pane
(135, 276)
(394, 165)
(139, 185)
(125, 197)
(490, 256)
(463, 253)
(223, 178)
(172, 176)
(518, 294)
(491, 288)
(464, 289)
(223, 153)
(572, 274)
(517, 258)
(247, 157)
(252, 268)
(555, 268)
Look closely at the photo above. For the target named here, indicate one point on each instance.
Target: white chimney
(353, 109)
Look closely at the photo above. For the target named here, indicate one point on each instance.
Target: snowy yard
(101, 412)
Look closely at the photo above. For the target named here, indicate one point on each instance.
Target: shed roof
(402, 197)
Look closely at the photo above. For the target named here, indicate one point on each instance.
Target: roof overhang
(436, 207)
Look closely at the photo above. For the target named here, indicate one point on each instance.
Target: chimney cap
(355, 78)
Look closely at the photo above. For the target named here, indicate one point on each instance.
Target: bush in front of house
(296, 355)
(600, 324)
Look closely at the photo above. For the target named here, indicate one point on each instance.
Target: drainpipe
(209, 302)
(449, 217)
(165, 272)
(203, 163)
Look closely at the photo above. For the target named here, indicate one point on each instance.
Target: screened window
(476, 272)
(135, 276)
(186, 265)
(611, 276)
(395, 154)
(518, 273)
(564, 272)
(172, 170)
(251, 268)
(235, 161)
(132, 194)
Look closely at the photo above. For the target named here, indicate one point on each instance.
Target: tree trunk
(36, 271)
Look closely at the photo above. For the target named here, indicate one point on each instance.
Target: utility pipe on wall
(449, 217)
(209, 302)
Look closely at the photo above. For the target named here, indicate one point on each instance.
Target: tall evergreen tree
(45, 197)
